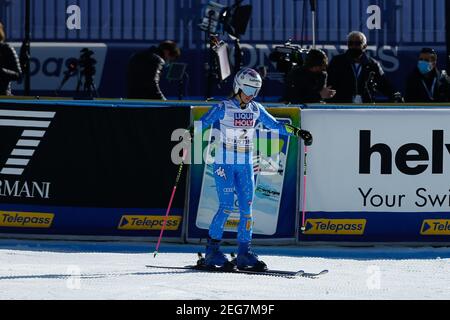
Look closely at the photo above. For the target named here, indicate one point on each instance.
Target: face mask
(355, 53)
(424, 66)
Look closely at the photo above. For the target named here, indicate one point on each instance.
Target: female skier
(233, 168)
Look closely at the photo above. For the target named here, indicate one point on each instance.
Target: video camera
(83, 67)
(87, 70)
(87, 63)
(287, 56)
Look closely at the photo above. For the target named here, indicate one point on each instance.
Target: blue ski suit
(233, 165)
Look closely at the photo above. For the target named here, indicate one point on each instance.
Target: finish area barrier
(103, 169)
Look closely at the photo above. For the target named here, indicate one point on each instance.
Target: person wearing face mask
(233, 167)
(426, 83)
(144, 70)
(308, 83)
(356, 77)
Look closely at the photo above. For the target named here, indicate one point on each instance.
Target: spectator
(426, 83)
(144, 70)
(307, 83)
(356, 76)
(9, 65)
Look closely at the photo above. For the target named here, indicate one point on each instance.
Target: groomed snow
(87, 270)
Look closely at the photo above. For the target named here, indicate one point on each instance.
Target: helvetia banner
(378, 175)
(275, 177)
(88, 170)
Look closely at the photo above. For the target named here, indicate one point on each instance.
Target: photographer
(307, 83)
(144, 70)
(355, 76)
(426, 83)
(9, 65)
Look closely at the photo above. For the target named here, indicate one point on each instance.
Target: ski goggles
(250, 91)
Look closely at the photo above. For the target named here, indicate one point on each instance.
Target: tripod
(89, 88)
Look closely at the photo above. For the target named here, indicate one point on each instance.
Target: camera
(287, 56)
(87, 62)
(87, 70)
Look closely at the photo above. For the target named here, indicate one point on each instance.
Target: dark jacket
(9, 68)
(304, 86)
(342, 78)
(144, 71)
(415, 87)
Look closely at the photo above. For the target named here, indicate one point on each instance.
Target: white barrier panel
(403, 156)
(388, 167)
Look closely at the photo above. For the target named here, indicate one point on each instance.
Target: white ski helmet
(249, 81)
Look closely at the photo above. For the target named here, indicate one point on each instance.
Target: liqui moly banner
(378, 175)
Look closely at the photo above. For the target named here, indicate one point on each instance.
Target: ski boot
(248, 260)
(216, 259)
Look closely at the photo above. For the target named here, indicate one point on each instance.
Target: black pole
(210, 57)
(27, 42)
(447, 34)
(237, 55)
(237, 45)
(313, 19)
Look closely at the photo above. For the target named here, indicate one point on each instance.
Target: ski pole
(304, 190)
(180, 169)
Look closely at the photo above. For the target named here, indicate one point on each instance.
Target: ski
(200, 267)
(299, 273)
(273, 273)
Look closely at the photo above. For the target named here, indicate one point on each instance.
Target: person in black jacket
(9, 65)
(355, 76)
(307, 83)
(426, 83)
(144, 70)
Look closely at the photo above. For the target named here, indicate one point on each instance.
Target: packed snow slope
(32, 269)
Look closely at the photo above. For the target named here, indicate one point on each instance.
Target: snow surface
(87, 270)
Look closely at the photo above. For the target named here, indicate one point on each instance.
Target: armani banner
(116, 161)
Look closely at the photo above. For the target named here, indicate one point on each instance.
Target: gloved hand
(306, 136)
